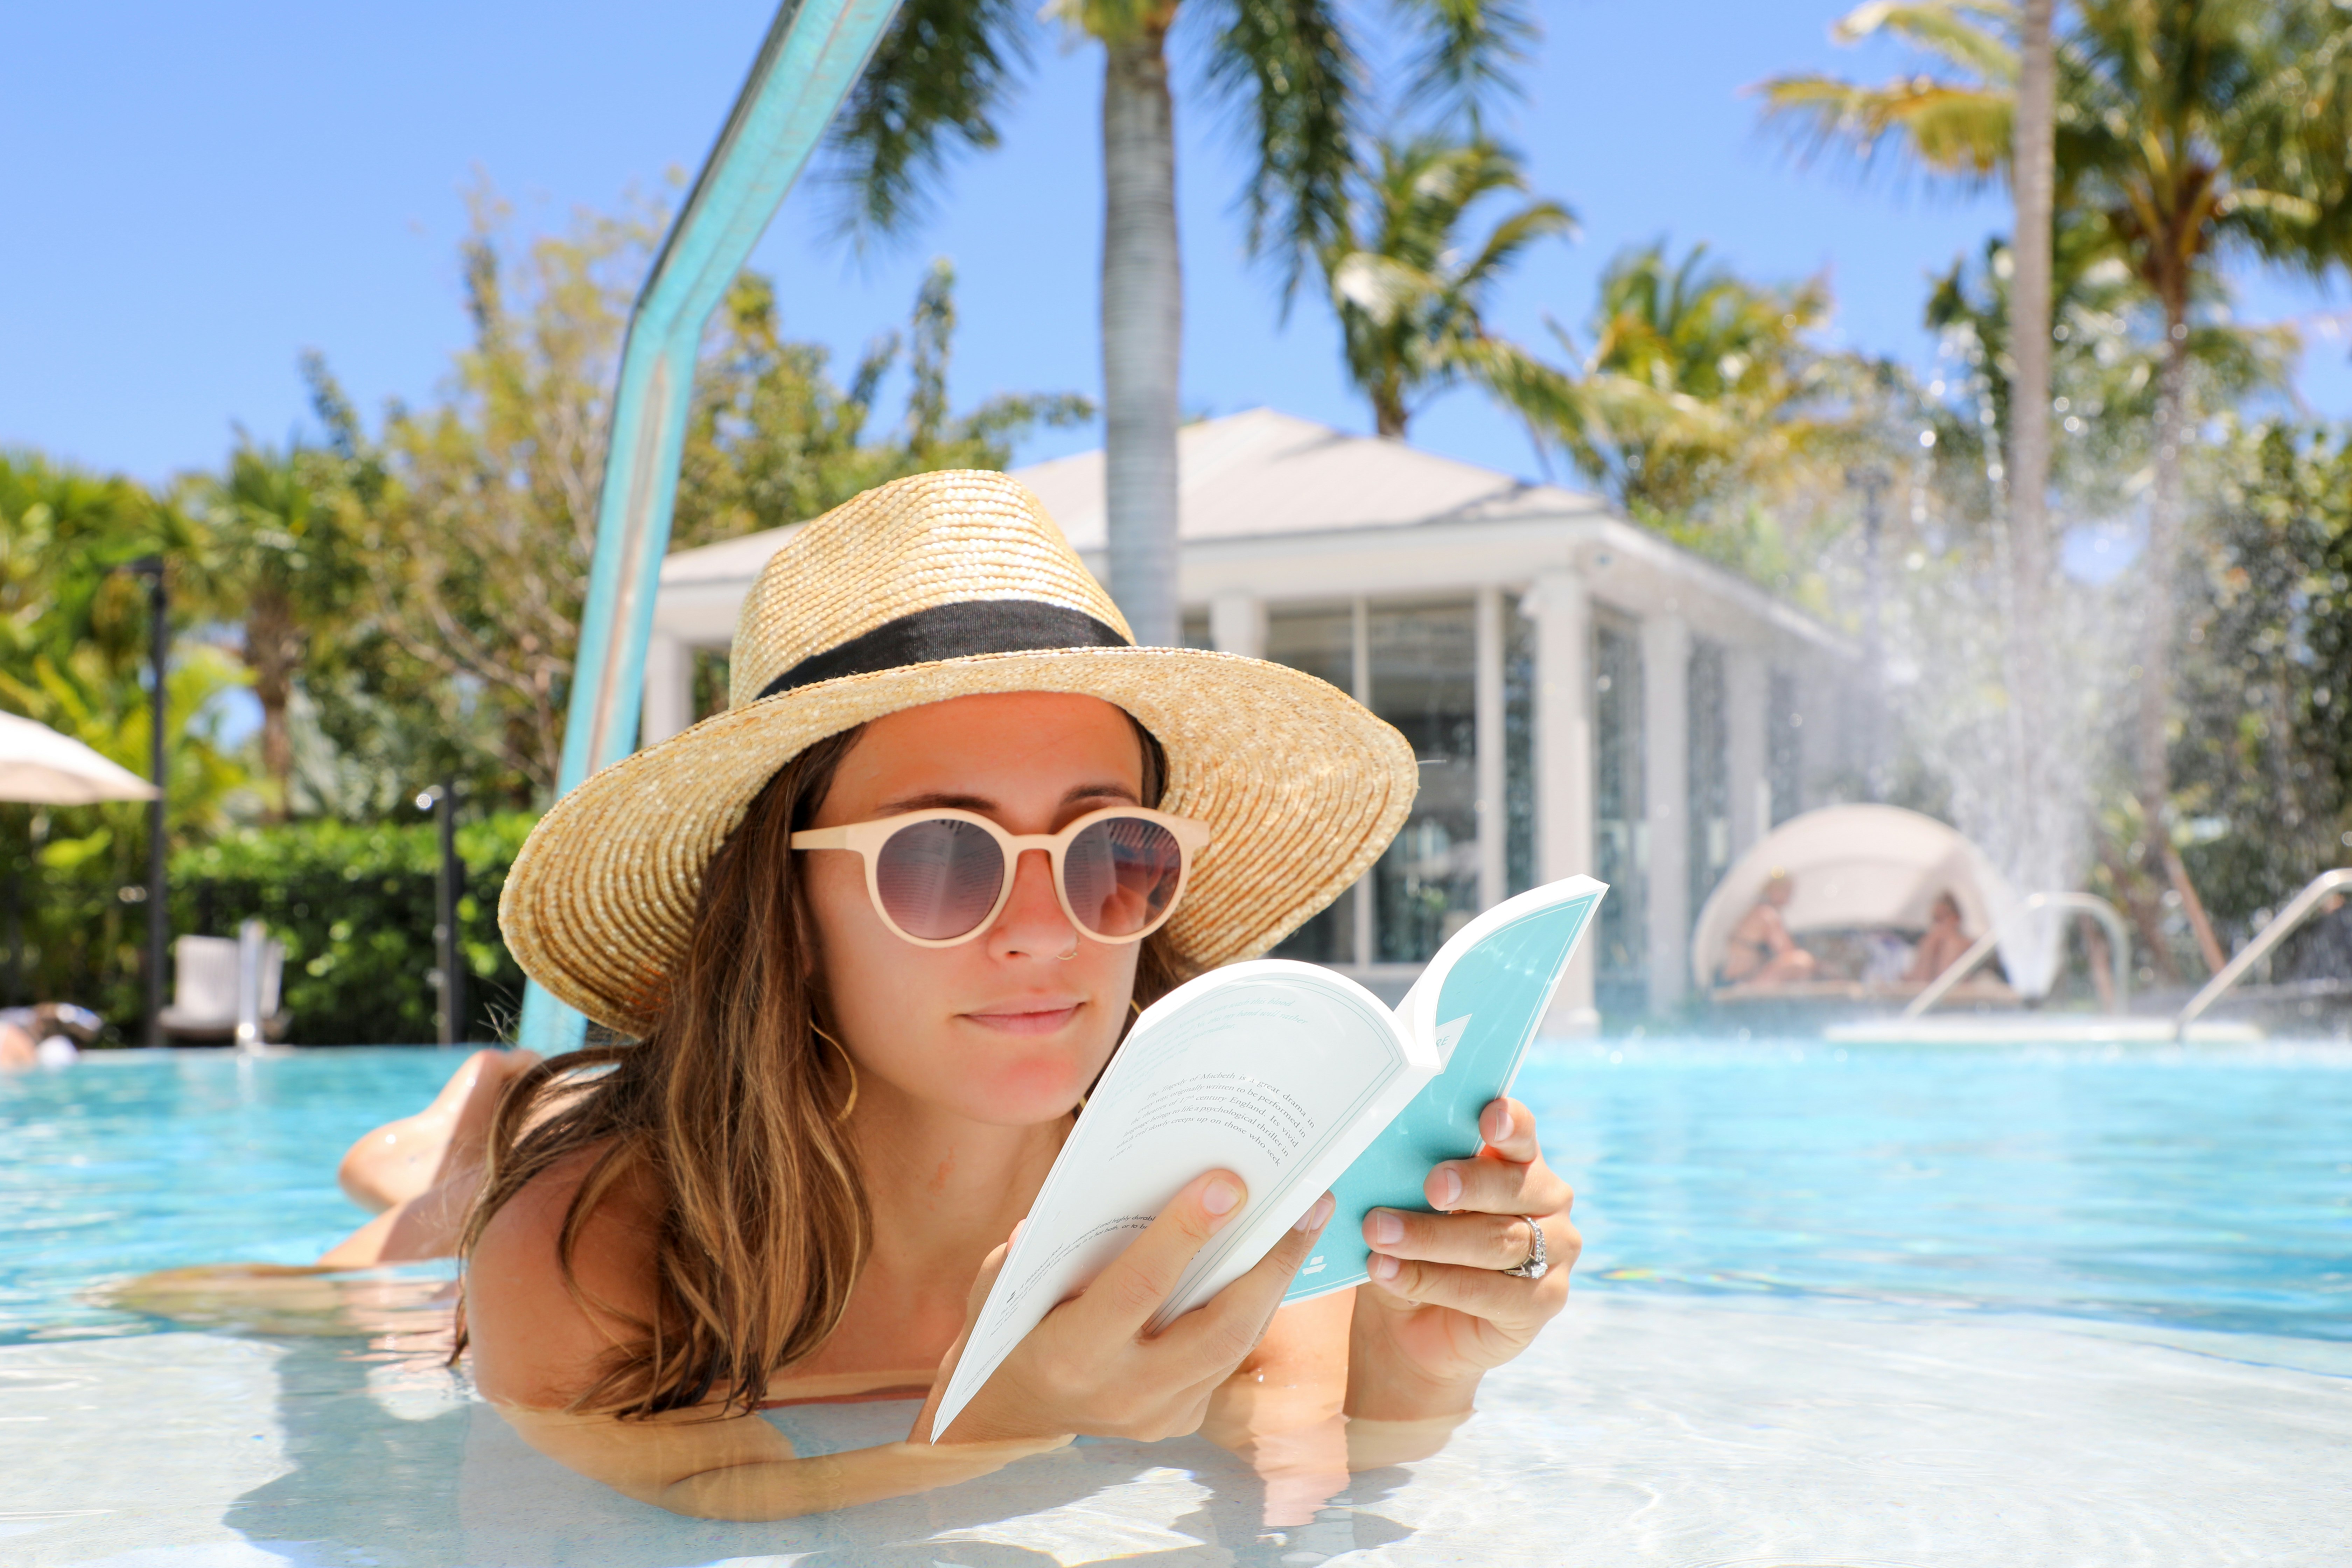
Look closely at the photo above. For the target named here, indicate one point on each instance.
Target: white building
(1584, 695)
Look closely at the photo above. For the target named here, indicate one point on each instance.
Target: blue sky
(200, 193)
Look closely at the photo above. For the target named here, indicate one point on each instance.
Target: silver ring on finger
(1536, 1265)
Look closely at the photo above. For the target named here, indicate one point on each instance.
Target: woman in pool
(858, 1052)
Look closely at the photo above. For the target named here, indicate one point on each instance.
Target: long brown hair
(731, 1105)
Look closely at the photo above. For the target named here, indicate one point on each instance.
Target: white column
(1563, 616)
(1360, 902)
(1237, 625)
(1665, 772)
(1746, 697)
(669, 689)
(1494, 814)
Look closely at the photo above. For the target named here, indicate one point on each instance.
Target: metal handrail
(811, 57)
(2269, 937)
(2119, 947)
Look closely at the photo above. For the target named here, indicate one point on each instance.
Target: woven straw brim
(1301, 788)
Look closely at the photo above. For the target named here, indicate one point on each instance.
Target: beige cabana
(1855, 867)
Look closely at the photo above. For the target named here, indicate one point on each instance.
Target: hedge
(353, 905)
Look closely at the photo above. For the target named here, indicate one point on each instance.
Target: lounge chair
(205, 988)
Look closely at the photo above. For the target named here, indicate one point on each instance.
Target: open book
(1298, 1079)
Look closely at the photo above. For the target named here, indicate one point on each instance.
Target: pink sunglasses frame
(866, 838)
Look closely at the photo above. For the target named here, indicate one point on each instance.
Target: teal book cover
(1482, 999)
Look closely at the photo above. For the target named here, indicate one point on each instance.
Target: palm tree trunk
(2028, 403)
(1143, 321)
(272, 650)
(2153, 761)
(2049, 820)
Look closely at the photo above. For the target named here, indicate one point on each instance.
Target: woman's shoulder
(535, 1336)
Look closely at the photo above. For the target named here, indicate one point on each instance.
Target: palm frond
(938, 83)
(1542, 220)
(1954, 130)
(1469, 54)
(1286, 72)
(1961, 32)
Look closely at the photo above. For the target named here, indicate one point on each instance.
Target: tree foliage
(2262, 759)
(1411, 289)
(74, 650)
(1697, 386)
(480, 509)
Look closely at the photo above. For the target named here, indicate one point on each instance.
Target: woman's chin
(1043, 1088)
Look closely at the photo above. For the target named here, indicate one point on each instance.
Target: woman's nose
(1033, 924)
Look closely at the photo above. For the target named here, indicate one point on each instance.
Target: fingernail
(1015, 1238)
(1314, 1218)
(1382, 1266)
(1220, 1197)
(1449, 1186)
(1502, 1124)
(1386, 1228)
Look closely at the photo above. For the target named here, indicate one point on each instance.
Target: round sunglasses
(940, 878)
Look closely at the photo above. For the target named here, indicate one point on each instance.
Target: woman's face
(1003, 1028)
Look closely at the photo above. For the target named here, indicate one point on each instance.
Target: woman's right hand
(1090, 1369)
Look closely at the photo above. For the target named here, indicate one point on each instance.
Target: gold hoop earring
(847, 1061)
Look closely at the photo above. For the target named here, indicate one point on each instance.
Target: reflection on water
(1638, 1430)
(1897, 1307)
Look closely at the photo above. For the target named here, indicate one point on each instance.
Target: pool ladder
(2298, 909)
(2282, 924)
(2119, 947)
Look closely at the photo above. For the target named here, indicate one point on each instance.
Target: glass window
(1519, 748)
(1195, 632)
(1322, 643)
(1785, 743)
(1710, 774)
(1620, 823)
(1424, 677)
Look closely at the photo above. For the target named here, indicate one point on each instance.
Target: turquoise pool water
(1863, 1305)
(2208, 1190)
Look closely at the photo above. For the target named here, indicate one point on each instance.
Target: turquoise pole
(812, 53)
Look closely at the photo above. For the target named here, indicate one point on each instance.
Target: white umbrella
(40, 766)
(1855, 867)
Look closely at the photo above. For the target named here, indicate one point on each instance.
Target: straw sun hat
(931, 587)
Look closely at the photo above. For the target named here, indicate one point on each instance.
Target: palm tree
(2192, 129)
(278, 563)
(1696, 382)
(1289, 70)
(2198, 128)
(1411, 306)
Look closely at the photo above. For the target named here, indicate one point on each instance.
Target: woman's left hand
(1440, 1311)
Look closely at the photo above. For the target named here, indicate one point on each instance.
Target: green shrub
(353, 905)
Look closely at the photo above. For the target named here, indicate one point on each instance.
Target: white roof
(1243, 476)
(1260, 473)
(1266, 499)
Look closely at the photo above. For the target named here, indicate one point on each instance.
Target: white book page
(1270, 1070)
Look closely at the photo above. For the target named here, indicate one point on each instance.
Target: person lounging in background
(47, 1034)
(1760, 950)
(1943, 945)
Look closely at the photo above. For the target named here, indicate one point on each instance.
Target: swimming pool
(1866, 1306)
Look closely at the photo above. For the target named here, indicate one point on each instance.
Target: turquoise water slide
(812, 56)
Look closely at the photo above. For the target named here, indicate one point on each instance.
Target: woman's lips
(1026, 1017)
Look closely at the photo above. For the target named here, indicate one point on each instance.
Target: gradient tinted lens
(939, 878)
(1121, 875)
